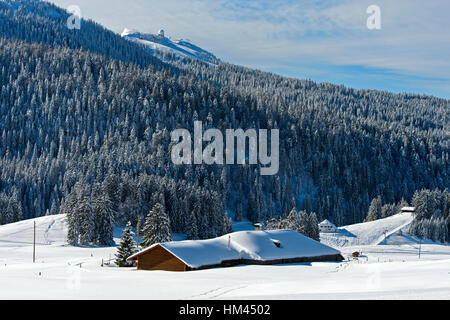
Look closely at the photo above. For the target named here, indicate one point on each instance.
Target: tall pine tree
(157, 227)
(126, 249)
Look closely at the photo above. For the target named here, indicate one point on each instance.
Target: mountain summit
(159, 42)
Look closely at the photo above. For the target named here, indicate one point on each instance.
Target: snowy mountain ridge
(159, 42)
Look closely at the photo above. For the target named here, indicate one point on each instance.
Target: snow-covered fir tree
(191, 227)
(375, 209)
(126, 248)
(227, 224)
(157, 227)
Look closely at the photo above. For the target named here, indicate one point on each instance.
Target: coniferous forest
(86, 116)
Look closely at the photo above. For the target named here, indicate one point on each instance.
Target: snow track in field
(215, 293)
(47, 232)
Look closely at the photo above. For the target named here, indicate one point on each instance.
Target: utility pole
(34, 242)
(138, 228)
(385, 231)
(420, 246)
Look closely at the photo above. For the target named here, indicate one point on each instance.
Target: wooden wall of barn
(160, 259)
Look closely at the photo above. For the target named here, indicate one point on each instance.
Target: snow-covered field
(385, 271)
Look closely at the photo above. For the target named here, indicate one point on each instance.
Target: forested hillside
(86, 116)
(38, 21)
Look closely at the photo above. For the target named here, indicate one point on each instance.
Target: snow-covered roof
(408, 209)
(253, 245)
(326, 223)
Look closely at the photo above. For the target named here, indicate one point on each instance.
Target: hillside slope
(43, 22)
(49, 230)
(379, 232)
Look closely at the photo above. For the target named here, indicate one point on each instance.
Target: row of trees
(92, 210)
(90, 215)
(300, 221)
(378, 210)
(432, 215)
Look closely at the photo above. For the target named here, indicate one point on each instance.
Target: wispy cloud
(412, 47)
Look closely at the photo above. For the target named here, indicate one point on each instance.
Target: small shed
(239, 248)
(327, 227)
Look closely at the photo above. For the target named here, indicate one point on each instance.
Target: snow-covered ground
(388, 271)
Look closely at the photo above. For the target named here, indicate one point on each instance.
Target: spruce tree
(157, 227)
(227, 224)
(191, 227)
(314, 227)
(126, 249)
(297, 220)
(375, 210)
(104, 220)
(87, 222)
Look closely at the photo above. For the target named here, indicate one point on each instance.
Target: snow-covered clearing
(383, 272)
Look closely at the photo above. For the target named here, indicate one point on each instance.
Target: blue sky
(320, 40)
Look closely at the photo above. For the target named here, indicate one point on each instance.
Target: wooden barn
(239, 248)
